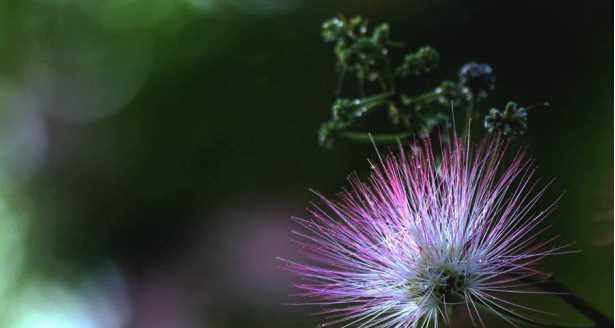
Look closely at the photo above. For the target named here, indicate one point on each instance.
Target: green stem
(379, 97)
(383, 85)
(424, 98)
(377, 138)
(362, 106)
(340, 82)
(389, 75)
(361, 85)
(365, 105)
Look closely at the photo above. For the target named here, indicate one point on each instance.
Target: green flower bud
(327, 134)
(422, 61)
(512, 121)
(450, 93)
(334, 29)
(381, 34)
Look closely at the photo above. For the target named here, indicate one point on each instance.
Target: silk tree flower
(424, 234)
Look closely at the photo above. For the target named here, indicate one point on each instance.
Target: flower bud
(478, 78)
(512, 121)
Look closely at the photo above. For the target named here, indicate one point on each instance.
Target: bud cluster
(364, 54)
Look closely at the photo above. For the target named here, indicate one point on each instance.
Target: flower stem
(559, 289)
(468, 120)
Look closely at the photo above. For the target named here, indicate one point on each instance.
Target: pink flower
(424, 234)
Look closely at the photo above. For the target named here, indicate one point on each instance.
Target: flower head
(423, 234)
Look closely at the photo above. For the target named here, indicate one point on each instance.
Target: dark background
(152, 152)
